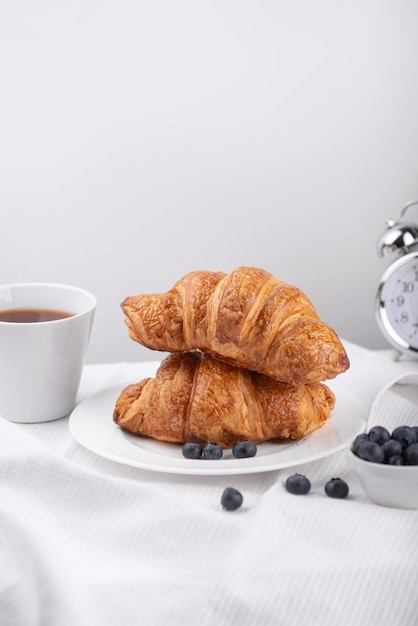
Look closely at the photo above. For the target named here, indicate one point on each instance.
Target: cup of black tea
(44, 335)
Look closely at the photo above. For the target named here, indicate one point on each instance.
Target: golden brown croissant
(196, 398)
(246, 318)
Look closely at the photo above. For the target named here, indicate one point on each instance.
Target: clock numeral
(408, 287)
(400, 301)
(404, 318)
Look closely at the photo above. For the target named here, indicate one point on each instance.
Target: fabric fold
(372, 373)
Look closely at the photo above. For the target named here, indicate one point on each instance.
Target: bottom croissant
(197, 398)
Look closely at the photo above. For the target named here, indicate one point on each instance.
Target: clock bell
(400, 236)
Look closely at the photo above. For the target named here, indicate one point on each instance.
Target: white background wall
(142, 139)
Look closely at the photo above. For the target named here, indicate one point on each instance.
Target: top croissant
(247, 318)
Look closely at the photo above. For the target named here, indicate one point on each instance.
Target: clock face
(397, 303)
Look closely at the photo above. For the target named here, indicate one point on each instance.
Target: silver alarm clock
(397, 294)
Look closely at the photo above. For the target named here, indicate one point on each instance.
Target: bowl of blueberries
(386, 464)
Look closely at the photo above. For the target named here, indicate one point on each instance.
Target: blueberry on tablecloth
(231, 499)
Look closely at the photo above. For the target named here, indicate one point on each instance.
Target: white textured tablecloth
(85, 541)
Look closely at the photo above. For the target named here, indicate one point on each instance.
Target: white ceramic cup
(41, 362)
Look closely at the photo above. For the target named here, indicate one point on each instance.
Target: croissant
(246, 318)
(194, 397)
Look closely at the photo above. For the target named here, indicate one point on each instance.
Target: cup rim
(65, 286)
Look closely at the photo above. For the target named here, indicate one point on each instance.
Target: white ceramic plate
(91, 424)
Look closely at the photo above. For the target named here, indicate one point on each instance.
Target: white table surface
(86, 541)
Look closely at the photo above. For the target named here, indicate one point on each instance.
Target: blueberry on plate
(371, 451)
(336, 488)
(244, 449)
(298, 484)
(191, 450)
(405, 435)
(231, 499)
(212, 452)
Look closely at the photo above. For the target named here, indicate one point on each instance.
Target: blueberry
(405, 435)
(392, 448)
(396, 459)
(192, 450)
(410, 454)
(379, 434)
(244, 449)
(371, 451)
(298, 484)
(359, 440)
(231, 499)
(212, 452)
(336, 488)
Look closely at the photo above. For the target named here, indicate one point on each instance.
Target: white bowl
(387, 485)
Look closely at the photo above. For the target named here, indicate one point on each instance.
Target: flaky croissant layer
(197, 398)
(246, 318)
